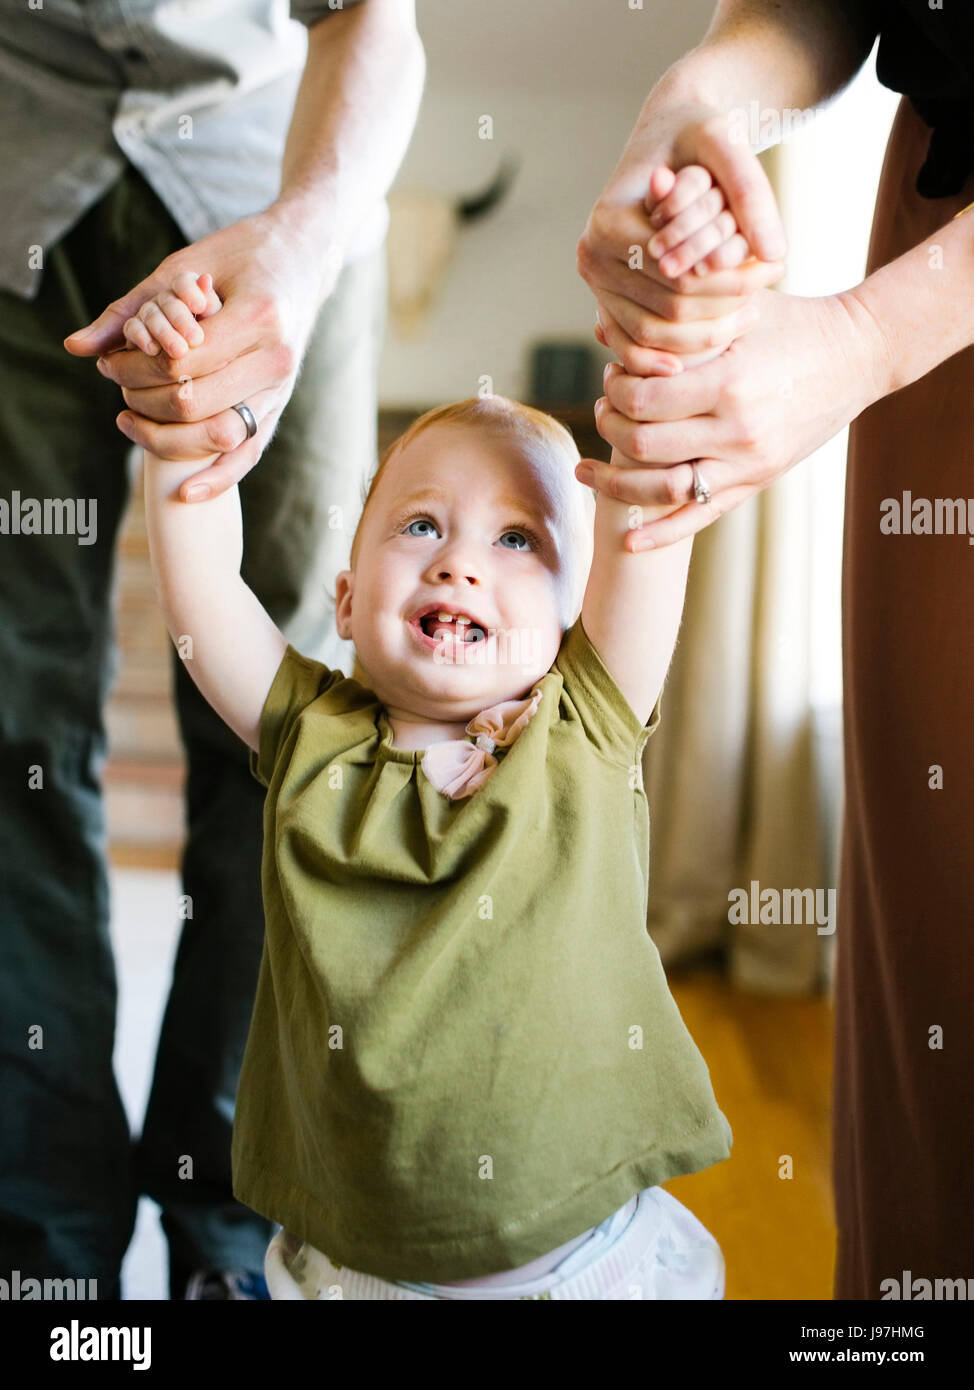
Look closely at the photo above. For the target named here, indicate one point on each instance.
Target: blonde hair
(533, 431)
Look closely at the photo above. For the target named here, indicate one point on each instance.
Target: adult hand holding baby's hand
(271, 287)
(168, 322)
(800, 372)
(693, 227)
(806, 369)
(662, 307)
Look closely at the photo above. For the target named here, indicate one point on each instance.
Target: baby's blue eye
(521, 536)
(524, 541)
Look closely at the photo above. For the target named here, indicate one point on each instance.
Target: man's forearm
(353, 119)
(780, 53)
(919, 309)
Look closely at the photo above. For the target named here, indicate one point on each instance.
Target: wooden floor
(770, 1063)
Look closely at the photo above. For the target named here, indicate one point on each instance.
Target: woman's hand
(806, 369)
(692, 224)
(674, 133)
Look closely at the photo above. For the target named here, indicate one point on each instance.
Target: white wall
(828, 177)
(563, 81)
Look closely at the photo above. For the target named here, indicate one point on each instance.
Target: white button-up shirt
(197, 94)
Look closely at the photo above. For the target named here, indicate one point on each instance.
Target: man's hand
(272, 284)
(645, 302)
(807, 369)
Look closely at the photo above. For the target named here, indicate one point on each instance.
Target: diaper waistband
(605, 1271)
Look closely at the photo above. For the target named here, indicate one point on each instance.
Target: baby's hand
(168, 320)
(695, 228)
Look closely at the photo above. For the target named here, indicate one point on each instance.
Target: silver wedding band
(247, 416)
(700, 489)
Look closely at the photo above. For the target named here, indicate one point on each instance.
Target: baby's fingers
(694, 248)
(662, 181)
(186, 286)
(196, 292)
(152, 325)
(692, 218)
(135, 332)
(213, 300)
(727, 257)
(690, 184)
(184, 331)
(168, 321)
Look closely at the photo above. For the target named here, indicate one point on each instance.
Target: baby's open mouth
(458, 627)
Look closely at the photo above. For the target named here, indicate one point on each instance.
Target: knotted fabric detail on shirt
(458, 767)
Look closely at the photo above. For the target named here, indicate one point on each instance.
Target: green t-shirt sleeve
(609, 720)
(299, 681)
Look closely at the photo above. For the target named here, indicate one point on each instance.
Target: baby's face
(464, 525)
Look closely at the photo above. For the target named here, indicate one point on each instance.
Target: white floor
(145, 930)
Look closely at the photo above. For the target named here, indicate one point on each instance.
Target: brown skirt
(904, 1056)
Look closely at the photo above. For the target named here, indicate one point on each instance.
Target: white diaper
(652, 1248)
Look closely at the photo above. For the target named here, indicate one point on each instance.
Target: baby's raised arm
(634, 601)
(231, 646)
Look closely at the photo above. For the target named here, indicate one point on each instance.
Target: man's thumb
(99, 337)
(105, 332)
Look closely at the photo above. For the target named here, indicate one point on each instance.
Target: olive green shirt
(463, 1050)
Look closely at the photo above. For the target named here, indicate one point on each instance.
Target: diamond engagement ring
(247, 416)
(700, 489)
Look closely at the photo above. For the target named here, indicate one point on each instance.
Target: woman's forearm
(780, 53)
(920, 306)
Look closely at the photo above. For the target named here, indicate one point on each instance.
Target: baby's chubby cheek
(531, 643)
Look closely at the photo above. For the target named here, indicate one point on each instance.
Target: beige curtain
(733, 775)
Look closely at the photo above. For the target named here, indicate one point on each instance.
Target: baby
(465, 1076)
